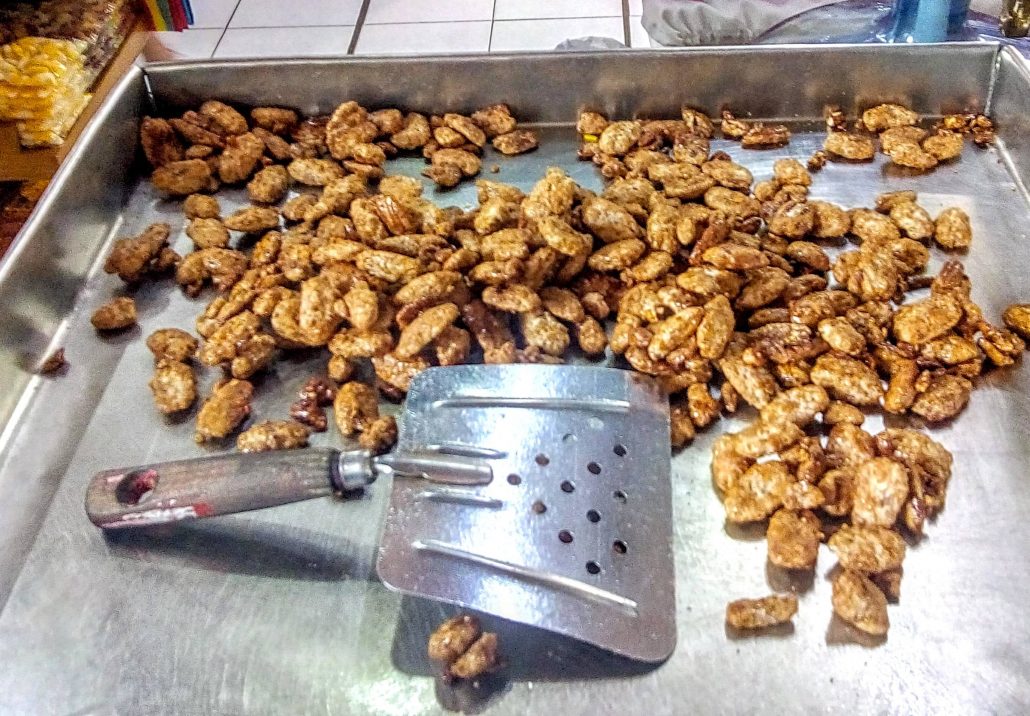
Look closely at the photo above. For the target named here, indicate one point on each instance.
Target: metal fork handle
(221, 485)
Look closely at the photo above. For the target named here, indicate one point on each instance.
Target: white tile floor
(545, 34)
(637, 34)
(285, 41)
(408, 11)
(534, 9)
(409, 38)
(213, 13)
(308, 13)
(273, 28)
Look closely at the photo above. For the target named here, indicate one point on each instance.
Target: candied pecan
(793, 539)
(943, 145)
(277, 120)
(1017, 318)
(424, 329)
(171, 344)
(174, 386)
(837, 487)
(518, 141)
(160, 145)
(495, 120)
(952, 229)
(858, 601)
(226, 407)
(314, 172)
(308, 411)
(798, 405)
(273, 435)
(880, 490)
(868, 549)
(115, 315)
(817, 161)
(761, 613)
(762, 136)
(886, 116)
(849, 146)
(380, 435)
(181, 178)
(943, 399)
(240, 157)
(921, 322)
(396, 374)
(134, 257)
(269, 185)
(753, 383)
(911, 155)
(716, 328)
(355, 407)
(758, 492)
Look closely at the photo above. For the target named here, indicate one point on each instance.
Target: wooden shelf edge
(18, 164)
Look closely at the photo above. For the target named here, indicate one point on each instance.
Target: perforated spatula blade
(573, 534)
(540, 494)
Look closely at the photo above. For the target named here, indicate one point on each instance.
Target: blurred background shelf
(20, 164)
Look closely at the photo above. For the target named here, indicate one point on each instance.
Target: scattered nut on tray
(906, 144)
(463, 648)
(726, 289)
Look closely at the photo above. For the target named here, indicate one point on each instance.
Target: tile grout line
(225, 29)
(493, 19)
(291, 27)
(625, 24)
(461, 22)
(358, 24)
(379, 24)
(538, 19)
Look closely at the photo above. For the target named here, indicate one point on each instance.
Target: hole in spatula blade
(619, 450)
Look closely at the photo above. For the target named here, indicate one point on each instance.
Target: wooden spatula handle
(208, 486)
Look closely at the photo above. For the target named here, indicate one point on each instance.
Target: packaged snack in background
(51, 53)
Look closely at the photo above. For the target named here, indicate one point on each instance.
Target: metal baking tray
(280, 611)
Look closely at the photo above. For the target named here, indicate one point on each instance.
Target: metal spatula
(540, 494)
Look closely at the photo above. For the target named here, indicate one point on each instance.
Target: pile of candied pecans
(718, 286)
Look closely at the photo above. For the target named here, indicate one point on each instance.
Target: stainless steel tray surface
(280, 611)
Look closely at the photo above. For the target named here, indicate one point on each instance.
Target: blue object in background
(927, 20)
(957, 14)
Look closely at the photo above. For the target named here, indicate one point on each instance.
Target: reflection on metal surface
(436, 467)
(460, 498)
(557, 581)
(466, 450)
(600, 406)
